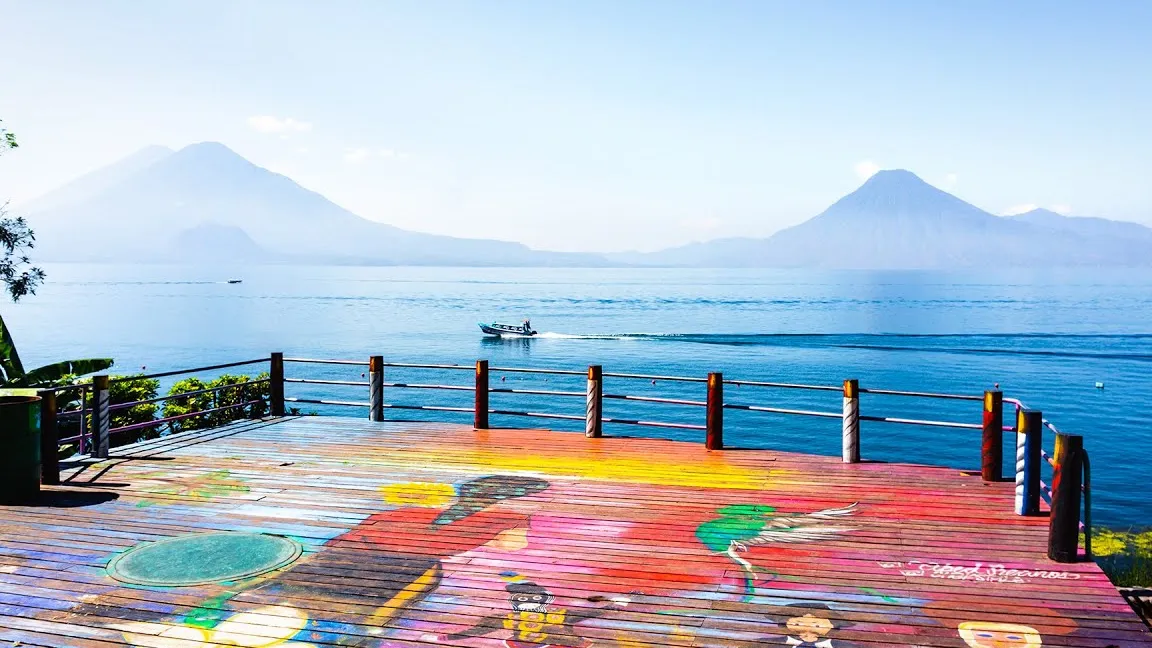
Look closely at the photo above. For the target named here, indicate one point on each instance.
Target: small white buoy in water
(1099, 385)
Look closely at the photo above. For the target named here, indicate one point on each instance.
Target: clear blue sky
(597, 125)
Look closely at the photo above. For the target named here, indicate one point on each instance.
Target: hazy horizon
(550, 125)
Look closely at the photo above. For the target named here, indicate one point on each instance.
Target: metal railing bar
(120, 406)
(325, 402)
(757, 383)
(408, 365)
(426, 386)
(555, 372)
(904, 421)
(437, 408)
(160, 421)
(177, 372)
(317, 381)
(781, 410)
(655, 377)
(681, 426)
(567, 417)
(536, 392)
(655, 399)
(360, 363)
(894, 392)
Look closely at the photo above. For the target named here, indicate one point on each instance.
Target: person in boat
(527, 326)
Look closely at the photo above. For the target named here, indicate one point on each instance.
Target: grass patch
(1125, 556)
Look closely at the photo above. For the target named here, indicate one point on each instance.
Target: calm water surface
(1045, 337)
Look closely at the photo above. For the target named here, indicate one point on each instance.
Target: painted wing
(799, 534)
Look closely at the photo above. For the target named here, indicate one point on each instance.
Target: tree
(16, 238)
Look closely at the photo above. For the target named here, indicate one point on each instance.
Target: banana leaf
(9, 358)
(49, 374)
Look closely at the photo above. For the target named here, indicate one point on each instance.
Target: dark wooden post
(376, 388)
(1064, 522)
(481, 408)
(851, 422)
(101, 417)
(992, 445)
(276, 384)
(1029, 436)
(594, 409)
(49, 438)
(714, 434)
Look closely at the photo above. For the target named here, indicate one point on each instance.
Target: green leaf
(9, 358)
(49, 374)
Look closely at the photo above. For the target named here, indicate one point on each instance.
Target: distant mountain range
(205, 202)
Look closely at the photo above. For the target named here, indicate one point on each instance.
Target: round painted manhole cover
(202, 558)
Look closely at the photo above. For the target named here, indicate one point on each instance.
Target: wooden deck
(425, 535)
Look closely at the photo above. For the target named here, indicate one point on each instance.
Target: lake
(1047, 337)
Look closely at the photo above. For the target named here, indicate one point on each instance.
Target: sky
(596, 125)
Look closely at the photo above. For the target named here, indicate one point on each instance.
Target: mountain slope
(1090, 227)
(896, 220)
(92, 184)
(139, 218)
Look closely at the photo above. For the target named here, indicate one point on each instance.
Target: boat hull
(503, 330)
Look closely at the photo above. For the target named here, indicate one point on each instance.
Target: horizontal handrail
(359, 363)
(177, 372)
(681, 426)
(317, 381)
(429, 386)
(760, 383)
(655, 377)
(554, 372)
(781, 410)
(435, 408)
(656, 399)
(409, 365)
(120, 406)
(179, 417)
(895, 392)
(568, 417)
(313, 401)
(535, 392)
(904, 421)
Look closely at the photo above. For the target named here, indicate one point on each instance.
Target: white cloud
(866, 169)
(357, 155)
(272, 124)
(1018, 209)
(1063, 210)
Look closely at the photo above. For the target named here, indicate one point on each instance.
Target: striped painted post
(101, 416)
(480, 407)
(376, 388)
(992, 443)
(1029, 436)
(851, 420)
(594, 407)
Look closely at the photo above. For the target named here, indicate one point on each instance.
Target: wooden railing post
(992, 444)
(49, 438)
(1029, 436)
(480, 414)
(276, 384)
(101, 417)
(851, 421)
(594, 409)
(714, 433)
(376, 388)
(1064, 522)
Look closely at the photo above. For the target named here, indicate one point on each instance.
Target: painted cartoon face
(528, 597)
(809, 628)
(979, 634)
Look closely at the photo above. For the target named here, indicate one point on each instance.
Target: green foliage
(7, 138)
(243, 391)
(120, 391)
(1125, 556)
(16, 239)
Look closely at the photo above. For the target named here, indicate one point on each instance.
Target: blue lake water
(1045, 337)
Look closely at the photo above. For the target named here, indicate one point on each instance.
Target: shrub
(244, 391)
(123, 389)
